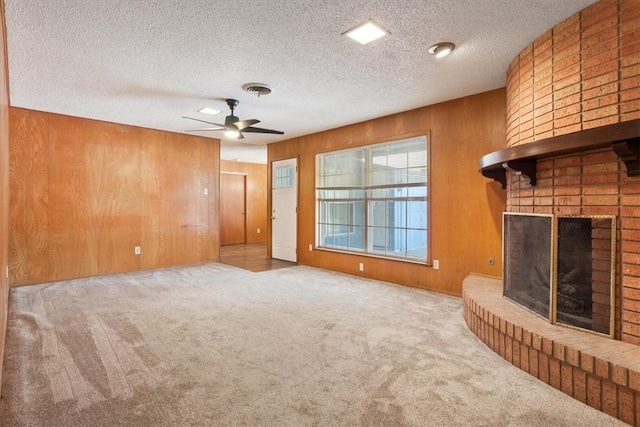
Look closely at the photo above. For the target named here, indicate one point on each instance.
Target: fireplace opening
(562, 268)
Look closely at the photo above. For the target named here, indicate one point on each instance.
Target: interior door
(284, 207)
(233, 225)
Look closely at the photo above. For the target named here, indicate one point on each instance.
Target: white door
(284, 206)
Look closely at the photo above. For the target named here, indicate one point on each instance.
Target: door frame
(270, 202)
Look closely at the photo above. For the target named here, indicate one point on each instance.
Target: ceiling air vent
(257, 88)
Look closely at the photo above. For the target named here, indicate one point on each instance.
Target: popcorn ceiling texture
(147, 63)
(581, 74)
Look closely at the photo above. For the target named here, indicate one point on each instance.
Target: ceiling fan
(233, 127)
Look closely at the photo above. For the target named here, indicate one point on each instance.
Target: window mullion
(367, 184)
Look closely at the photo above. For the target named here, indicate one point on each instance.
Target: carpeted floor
(218, 346)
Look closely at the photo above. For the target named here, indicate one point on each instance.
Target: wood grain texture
(181, 224)
(4, 185)
(252, 257)
(94, 203)
(232, 208)
(256, 208)
(465, 216)
(29, 185)
(86, 192)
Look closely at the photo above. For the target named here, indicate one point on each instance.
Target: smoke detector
(257, 88)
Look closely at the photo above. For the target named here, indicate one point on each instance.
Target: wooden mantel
(623, 138)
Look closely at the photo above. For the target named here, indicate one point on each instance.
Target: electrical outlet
(361, 266)
(436, 264)
(310, 247)
(136, 250)
(258, 231)
(206, 191)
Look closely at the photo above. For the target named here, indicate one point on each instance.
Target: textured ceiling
(150, 62)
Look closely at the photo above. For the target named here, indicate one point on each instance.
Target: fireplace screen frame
(548, 260)
(552, 226)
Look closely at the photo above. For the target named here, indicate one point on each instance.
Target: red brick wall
(583, 73)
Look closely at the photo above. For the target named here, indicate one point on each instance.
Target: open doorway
(243, 187)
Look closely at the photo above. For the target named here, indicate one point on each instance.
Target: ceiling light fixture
(207, 110)
(234, 134)
(442, 49)
(366, 32)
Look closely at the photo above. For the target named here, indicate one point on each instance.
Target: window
(283, 177)
(373, 199)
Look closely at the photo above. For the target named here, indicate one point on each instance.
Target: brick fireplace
(593, 183)
(578, 81)
(583, 74)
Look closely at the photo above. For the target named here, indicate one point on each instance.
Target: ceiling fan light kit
(233, 127)
(442, 49)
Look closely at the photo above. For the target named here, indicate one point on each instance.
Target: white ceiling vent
(257, 88)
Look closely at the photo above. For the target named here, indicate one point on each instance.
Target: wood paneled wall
(4, 185)
(466, 208)
(84, 193)
(256, 197)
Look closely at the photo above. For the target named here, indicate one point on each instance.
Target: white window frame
(363, 190)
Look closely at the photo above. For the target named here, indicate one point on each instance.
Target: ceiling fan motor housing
(230, 120)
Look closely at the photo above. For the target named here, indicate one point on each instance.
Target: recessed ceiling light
(442, 49)
(366, 32)
(207, 110)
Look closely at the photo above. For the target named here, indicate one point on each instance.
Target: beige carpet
(218, 346)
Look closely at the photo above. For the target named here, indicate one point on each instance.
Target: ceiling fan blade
(203, 129)
(252, 129)
(242, 124)
(240, 135)
(203, 121)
